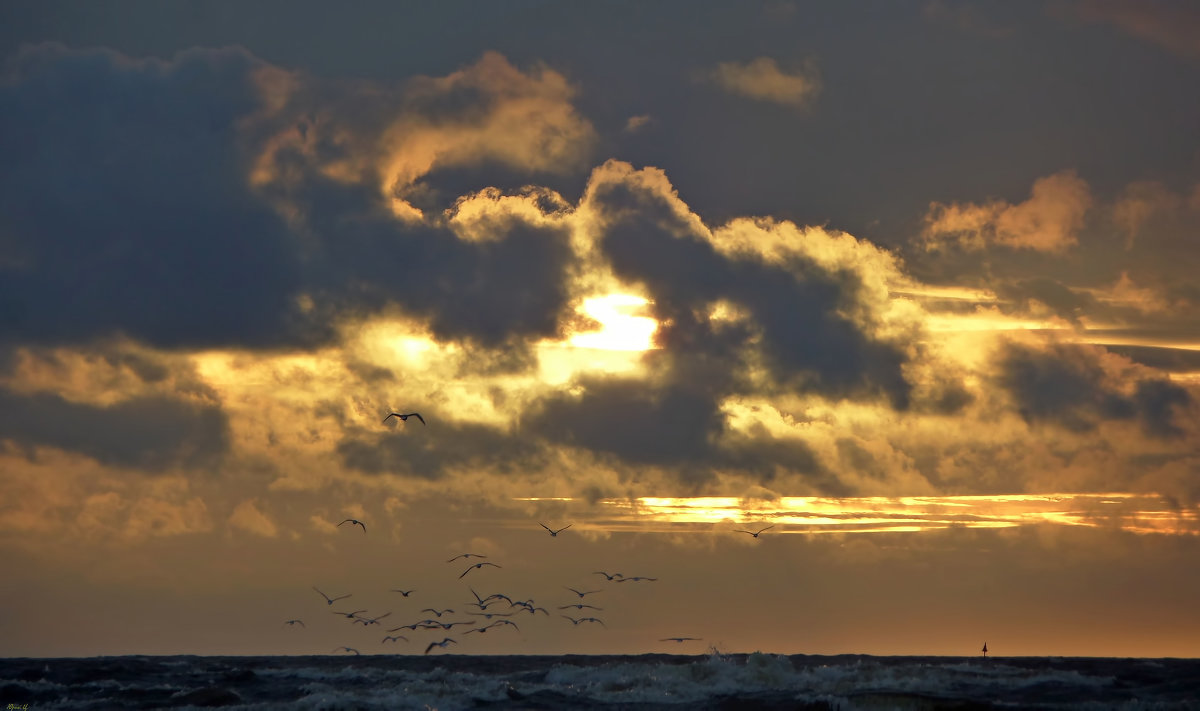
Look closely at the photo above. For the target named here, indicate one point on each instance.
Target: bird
(442, 644)
(583, 619)
(581, 594)
(476, 566)
(437, 613)
(393, 638)
(554, 533)
(348, 649)
(355, 522)
(490, 615)
(636, 579)
(403, 593)
(371, 620)
(580, 606)
(331, 600)
(293, 623)
(404, 418)
(754, 534)
(466, 555)
(349, 615)
(413, 627)
(679, 639)
(497, 623)
(607, 575)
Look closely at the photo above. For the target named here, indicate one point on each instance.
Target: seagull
(331, 600)
(554, 533)
(580, 606)
(371, 620)
(477, 565)
(348, 615)
(293, 623)
(466, 555)
(581, 594)
(355, 522)
(403, 593)
(348, 649)
(679, 639)
(494, 624)
(450, 625)
(636, 579)
(490, 615)
(442, 644)
(412, 627)
(533, 610)
(583, 619)
(437, 613)
(404, 418)
(753, 534)
(393, 638)
(608, 576)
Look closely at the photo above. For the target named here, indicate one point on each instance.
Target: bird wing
(564, 528)
(418, 416)
(390, 416)
(545, 527)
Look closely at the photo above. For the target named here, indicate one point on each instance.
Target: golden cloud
(1048, 221)
(762, 79)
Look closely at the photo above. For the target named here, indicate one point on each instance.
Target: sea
(599, 682)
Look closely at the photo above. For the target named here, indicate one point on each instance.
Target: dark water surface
(652, 681)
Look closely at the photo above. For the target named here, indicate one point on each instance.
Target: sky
(907, 289)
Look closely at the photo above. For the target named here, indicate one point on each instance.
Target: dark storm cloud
(1069, 386)
(124, 203)
(807, 341)
(150, 433)
(127, 208)
(427, 452)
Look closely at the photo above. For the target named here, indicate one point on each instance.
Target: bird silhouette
(348, 649)
(331, 600)
(582, 594)
(584, 619)
(404, 418)
(466, 555)
(293, 623)
(554, 533)
(679, 639)
(580, 606)
(393, 638)
(403, 593)
(607, 575)
(437, 613)
(476, 567)
(754, 534)
(348, 615)
(354, 522)
(442, 644)
(636, 579)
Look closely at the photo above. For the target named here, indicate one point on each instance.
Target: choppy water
(654, 681)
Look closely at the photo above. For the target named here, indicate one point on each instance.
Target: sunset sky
(915, 283)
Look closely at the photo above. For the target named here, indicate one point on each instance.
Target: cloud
(763, 80)
(152, 433)
(1078, 386)
(1174, 26)
(247, 517)
(124, 204)
(1048, 221)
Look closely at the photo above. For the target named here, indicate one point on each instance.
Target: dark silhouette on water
(985, 649)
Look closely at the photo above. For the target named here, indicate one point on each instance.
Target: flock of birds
(480, 608)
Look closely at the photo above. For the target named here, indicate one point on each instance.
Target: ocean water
(644, 682)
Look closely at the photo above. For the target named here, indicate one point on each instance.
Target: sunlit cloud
(763, 79)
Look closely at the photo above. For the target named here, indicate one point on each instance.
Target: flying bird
(393, 638)
(679, 639)
(331, 600)
(490, 615)
(348, 615)
(754, 534)
(439, 644)
(580, 606)
(293, 623)
(583, 619)
(607, 575)
(636, 579)
(348, 649)
(554, 533)
(581, 594)
(437, 613)
(404, 593)
(404, 418)
(466, 555)
(371, 620)
(354, 522)
(477, 566)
